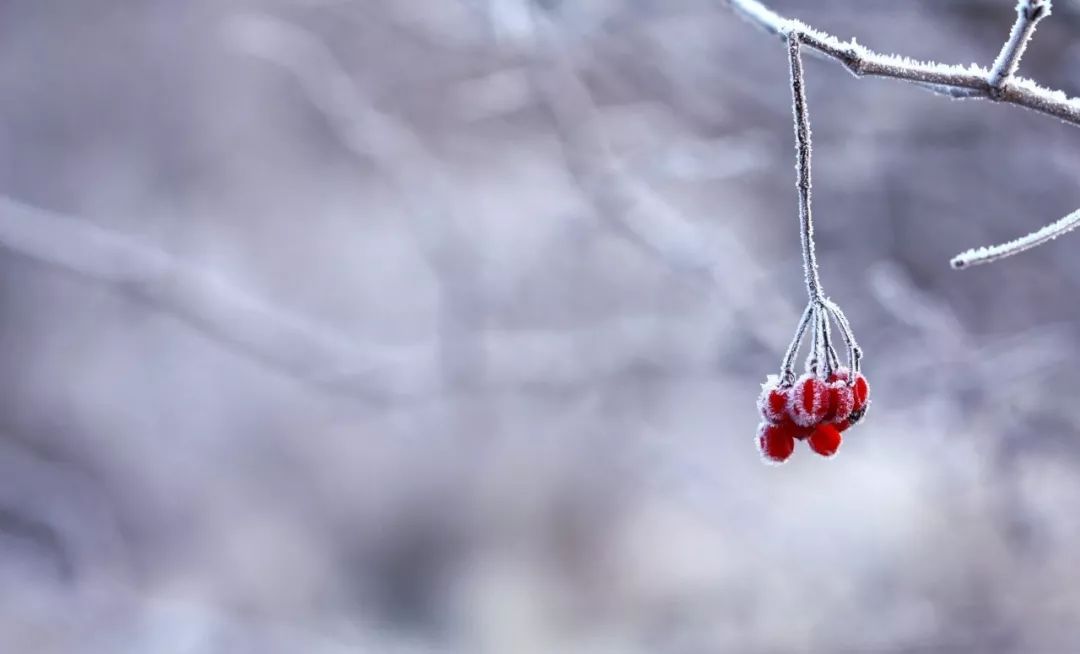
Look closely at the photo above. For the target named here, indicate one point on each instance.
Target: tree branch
(952, 80)
(1028, 15)
(1048, 233)
(220, 310)
(998, 84)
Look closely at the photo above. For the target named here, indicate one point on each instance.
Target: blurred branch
(629, 206)
(62, 510)
(998, 84)
(327, 360)
(213, 306)
(401, 155)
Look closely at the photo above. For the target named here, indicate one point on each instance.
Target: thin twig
(977, 256)
(787, 366)
(802, 164)
(952, 80)
(1028, 15)
(854, 351)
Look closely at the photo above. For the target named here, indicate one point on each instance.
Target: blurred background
(409, 326)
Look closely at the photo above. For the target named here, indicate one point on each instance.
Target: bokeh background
(412, 326)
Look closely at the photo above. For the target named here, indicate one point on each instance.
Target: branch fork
(999, 83)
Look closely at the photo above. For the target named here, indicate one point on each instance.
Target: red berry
(808, 401)
(772, 403)
(861, 390)
(841, 401)
(825, 440)
(800, 433)
(840, 373)
(775, 442)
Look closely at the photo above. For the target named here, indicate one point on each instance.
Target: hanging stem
(802, 164)
(854, 351)
(787, 367)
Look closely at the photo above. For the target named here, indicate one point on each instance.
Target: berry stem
(854, 351)
(802, 164)
(787, 367)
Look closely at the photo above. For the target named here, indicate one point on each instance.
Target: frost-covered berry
(775, 442)
(841, 400)
(772, 403)
(825, 440)
(861, 390)
(840, 373)
(808, 401)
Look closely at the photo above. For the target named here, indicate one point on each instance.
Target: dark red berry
(825, 440)
(840, 373)
(861, 390)
(775, 442)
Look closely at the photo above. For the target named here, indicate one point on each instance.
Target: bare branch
(998, 84)
(223, 312)
(1028, 15)
(403, 158)
(329, 361)
(951, 80)
(981, 255)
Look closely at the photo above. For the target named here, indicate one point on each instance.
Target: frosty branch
(998, 84)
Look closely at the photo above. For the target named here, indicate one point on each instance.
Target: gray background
(335, 326)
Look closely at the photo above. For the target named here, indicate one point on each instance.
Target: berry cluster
(813, 408)
(822, 403)
(829, 397)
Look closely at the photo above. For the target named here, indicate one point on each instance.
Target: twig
(976, 256)
(955, 81)
(802, 164)
(1028, 15)
(787, 364)
(998, 84)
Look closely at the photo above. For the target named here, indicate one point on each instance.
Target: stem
(1028, 15)
(802, 164)
(951, 80)
(854, 351)
(998, 84)
(1048, 233)
(787, 366)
